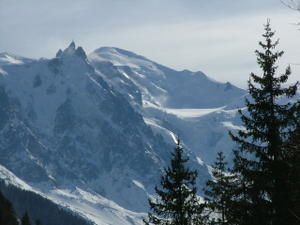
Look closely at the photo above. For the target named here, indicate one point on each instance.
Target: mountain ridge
(169, 88)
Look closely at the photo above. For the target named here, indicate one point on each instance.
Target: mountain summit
(72, 50)
(164, 86)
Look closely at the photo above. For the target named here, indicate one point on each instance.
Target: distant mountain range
(93, 132)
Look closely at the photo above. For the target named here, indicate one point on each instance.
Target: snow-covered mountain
(95, 132)
(190, 104)
(161, 85)
(62, 125)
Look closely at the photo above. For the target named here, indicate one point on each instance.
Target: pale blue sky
(215, 36)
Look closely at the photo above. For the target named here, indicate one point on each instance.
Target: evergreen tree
(25, 219)
(38, 222)
(293, 148)
(260, 161)
(177, 202)
(218, 192)
(7, 213)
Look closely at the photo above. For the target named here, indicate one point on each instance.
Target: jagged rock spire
(72, 50)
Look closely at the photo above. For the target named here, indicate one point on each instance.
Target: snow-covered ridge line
(161, 85)
(93, 207)
(11, 179)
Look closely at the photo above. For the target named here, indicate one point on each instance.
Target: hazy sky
(217, 37)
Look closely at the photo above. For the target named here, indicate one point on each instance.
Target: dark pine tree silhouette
(7, 213)
(260, 160)
(293, 148)
(25, 219)
(177, 202)
(38, 222)
(218, 192)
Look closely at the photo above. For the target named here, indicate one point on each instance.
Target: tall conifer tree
(218, 192)
(293, 158)
(38, 222)
(260, 160)
(177, 202)
(25, 219)
(7, 213)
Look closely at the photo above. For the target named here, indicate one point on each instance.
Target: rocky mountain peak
(71, 51)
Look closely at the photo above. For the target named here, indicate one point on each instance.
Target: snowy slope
(10, 179)
(190, 104)
(204, 131)
(90, 206)
(161, 85)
